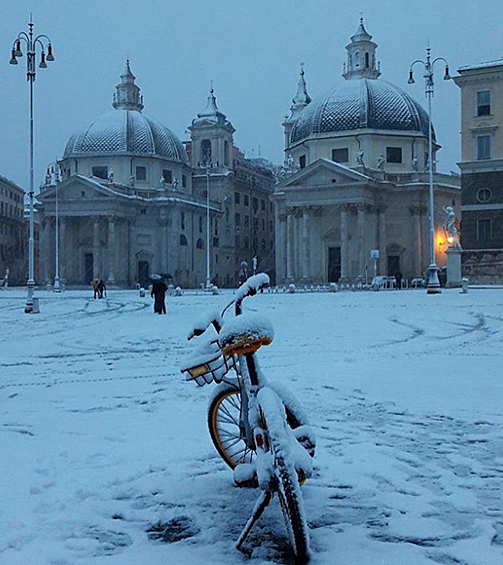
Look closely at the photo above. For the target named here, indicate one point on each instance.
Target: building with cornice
(132, 200)
(355, 179)
(482, 171)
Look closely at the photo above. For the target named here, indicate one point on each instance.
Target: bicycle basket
(245, 334)
(208, 364)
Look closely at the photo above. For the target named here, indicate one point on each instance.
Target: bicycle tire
(223, 425)
(220, 434)
(288, 488)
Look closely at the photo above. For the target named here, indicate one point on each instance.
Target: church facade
(131, 200)
(353, 200)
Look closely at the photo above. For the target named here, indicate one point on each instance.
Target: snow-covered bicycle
(259, 428)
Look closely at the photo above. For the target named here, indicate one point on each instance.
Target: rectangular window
(262, 205)
(393, 154)
(246, 200)
(255, 223)
(215, 242)
(184, 181)
(484, 230)
(236, 242)
(302, 161)
(483, 102)
(182, 218)
(237, 219)
(141, 173)
(100, 172)
(483, 147)
(340, 155)
(255, 204)
(200, 224)
(167, 175)
(143, 211)
(247, 221)
(237, 198)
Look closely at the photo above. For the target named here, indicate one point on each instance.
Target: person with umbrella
(158, 293)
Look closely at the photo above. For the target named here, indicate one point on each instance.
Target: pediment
(77, 186)
(324, 172)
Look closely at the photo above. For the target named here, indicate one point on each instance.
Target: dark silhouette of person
(398, 279)
(158, 292)
(101, 289)
(95, 289)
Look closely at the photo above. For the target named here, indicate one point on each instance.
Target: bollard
(214, 289)
(142, 292)
(464, 285)
(36, 306)
(291, 288)
(333, 287)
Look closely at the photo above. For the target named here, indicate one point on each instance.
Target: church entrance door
(88, 268)
(143, 273)
(334, 264)
(393, 265)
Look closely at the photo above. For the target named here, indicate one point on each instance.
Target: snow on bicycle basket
(207, 364)
(245, 334)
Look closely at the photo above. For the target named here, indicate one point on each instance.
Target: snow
(106, 459)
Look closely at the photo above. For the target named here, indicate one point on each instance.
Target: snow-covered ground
(102, 440)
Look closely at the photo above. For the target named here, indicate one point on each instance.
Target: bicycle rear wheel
(288, 488)
(223, 424)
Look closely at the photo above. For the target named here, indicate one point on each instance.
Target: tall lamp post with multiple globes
(42, 44)
(433, 284)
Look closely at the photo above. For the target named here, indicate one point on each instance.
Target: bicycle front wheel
(223, 424)
(288, 488)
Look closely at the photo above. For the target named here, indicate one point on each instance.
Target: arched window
(357, 59)
(183, 240)
(206, 151)
(367, 60)
(200, 244)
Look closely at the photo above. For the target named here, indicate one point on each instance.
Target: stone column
(290, 245)
(306, 250)
(382, 241)
(96, 248)
(360, 226)
(344, 244)
(281, 243)
(415, 211)
(62, 249)
(44, 252)
(163, 222)
(298, 244)
(112, 251)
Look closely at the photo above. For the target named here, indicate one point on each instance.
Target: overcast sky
(251, 49)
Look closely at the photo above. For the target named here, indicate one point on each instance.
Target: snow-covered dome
(361, 104)
(362, 101)
(126, 129)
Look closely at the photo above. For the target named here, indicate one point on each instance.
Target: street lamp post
(208, 230)
(55, 174)
(42, 42)
(433, 284)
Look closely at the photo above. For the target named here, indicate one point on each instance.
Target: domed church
(355, 179)
(131, 200)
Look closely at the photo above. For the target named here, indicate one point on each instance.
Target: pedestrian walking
(158, 292)
(101, 289)
(95, 289)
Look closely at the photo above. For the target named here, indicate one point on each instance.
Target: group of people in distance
(99, 288)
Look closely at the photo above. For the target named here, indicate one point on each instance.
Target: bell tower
(212, 137)
(299, 102)
(361, 56)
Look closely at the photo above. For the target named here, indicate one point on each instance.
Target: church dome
(365, 103)
(126, 129)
